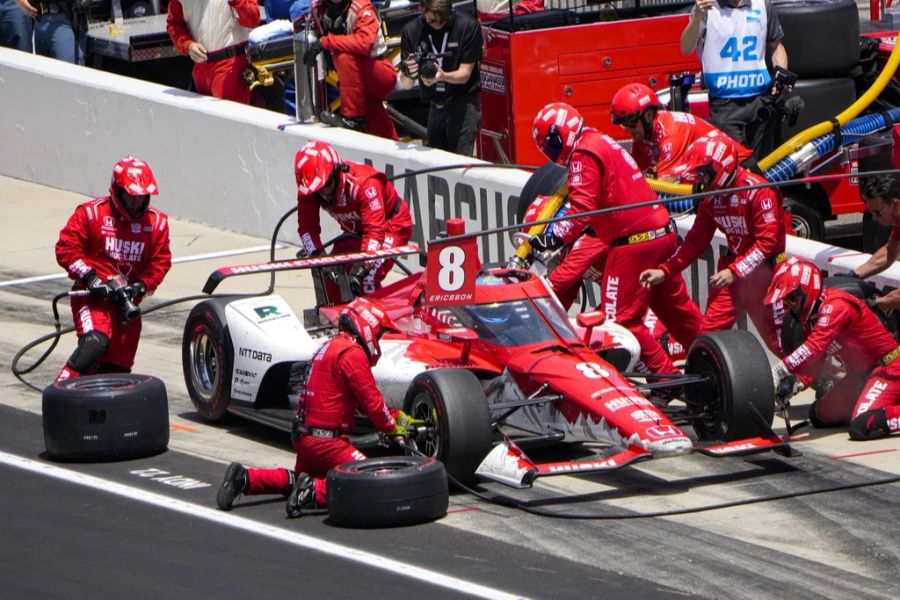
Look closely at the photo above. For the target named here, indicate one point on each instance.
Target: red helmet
(314, 164)
(366, 322)
(555, 130)
(798, 283)
(714, 156)
(134, 177)
(631, 102)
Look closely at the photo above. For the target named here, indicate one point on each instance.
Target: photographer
(441, 50)
(117, 249)
(60, 28)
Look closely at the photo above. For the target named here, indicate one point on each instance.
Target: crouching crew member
(360, 199)
(116, 248)
(339, 381)
(837, 325)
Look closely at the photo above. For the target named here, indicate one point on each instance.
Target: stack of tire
(100, 418)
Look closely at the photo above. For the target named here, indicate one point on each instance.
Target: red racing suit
(99, 236)
(339, 382)
(753, 224)
(585, 260)
(220, 26)
(366, 205)
(603, 175)
(357, 48)
(845, 328)
(673, 132)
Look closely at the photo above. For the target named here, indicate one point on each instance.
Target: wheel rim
(801, 227)
(423, 408)
(707, 414)
(383, 467)
(205, 361)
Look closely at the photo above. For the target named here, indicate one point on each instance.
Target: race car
(491, 361)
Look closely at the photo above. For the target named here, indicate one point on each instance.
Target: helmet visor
(552, 145)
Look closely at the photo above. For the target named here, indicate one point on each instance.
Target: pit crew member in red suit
(351, 32)
(840, 326)
(359, 198)
(660, 137)
(881, 194)
(601, 174)
(213, 33)
(119, 234)
(339, 381)
(753, 224)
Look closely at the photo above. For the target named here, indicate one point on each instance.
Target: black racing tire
(821, 36)
(452, 401)
(864, 290)
(391, 491)
(807, 222)
(545, 181)
(207, 358)
(738, 375)
(105, 417)
(823, 100)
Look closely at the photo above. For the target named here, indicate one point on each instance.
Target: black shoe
(235, 483)
(302, 494)
(339, 120)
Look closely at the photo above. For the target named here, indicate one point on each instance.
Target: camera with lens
(779, 100)
(120, 292)
(427, 59)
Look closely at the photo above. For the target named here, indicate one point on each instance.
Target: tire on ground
(738, 377)
(105, 417)
(387, 492)
(545, 181)
(207, 358)
(821, 36)
(453, 402)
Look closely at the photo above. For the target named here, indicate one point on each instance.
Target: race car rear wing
(217, 276)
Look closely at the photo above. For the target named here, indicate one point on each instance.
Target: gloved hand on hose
(303, 253)
(93, 284)
(312, 52)
(545, 242)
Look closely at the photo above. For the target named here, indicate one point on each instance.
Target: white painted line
(230, 520)
(180, 259)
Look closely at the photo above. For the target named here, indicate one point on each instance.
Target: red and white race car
(491, 361)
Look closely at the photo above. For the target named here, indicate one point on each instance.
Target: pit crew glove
(545, 242)
(312, 52)
(302, 253)
(357, 274)
(404, 424)
(138, 289)
(786, 384)
(96, 286)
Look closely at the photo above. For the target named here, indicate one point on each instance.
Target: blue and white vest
(734, 51)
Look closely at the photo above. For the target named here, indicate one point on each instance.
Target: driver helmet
(132, 176)
(556, 128)
(315, 164)
(798, 284)
(632, 103)
(495, 313)
(711, 163)
(366, 322)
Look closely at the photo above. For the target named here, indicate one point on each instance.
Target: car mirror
(458, 335)
(588, 320)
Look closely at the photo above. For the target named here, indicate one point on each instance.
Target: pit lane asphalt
(833, 545)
